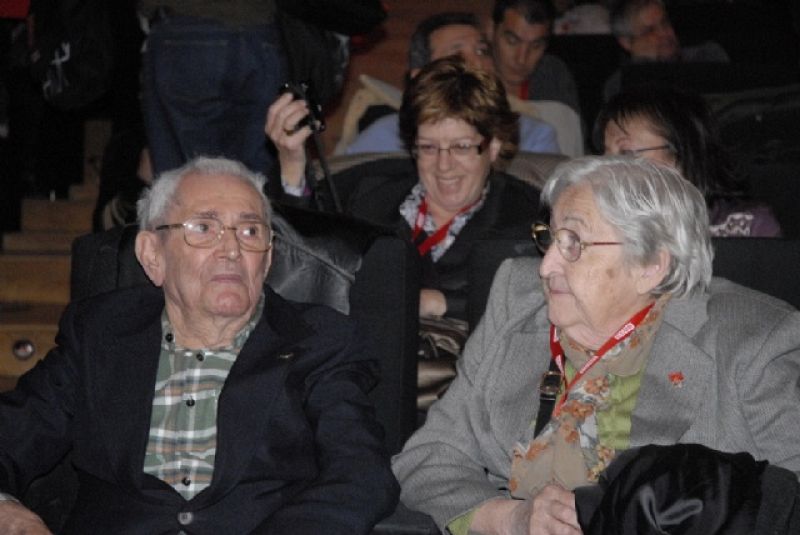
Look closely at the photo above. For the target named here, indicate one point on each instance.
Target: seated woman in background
(677, 128)
(456, 122)
(645, 346)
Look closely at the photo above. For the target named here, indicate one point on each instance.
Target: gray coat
(738, 350)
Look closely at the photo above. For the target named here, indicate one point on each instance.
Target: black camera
(305, 91)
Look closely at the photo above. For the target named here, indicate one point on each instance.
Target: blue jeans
(206, 88)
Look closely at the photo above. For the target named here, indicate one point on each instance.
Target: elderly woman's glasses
(568, 242)
(429, 151)
(205, 232)
(636, 152)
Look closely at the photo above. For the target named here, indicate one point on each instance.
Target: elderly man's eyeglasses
(567, 241)
(636, 152)
(429, 151)
(205, 232)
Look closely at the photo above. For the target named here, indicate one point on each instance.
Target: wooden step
(39, 242)
(27, 333)
(34, 278)
(58, 215)
(85, 191)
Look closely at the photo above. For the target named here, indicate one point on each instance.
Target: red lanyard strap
(558, 352)
(434, 239)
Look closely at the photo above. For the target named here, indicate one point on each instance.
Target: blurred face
(465, 41)
(453, 181)
(220, 282)
(518, 46)
(637, 137)
(592, 297)
(653, 37)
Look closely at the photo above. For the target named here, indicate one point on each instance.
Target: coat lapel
(677, 374)
(123, 374)
(247, 398)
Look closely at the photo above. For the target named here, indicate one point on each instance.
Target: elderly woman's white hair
(653, 208)
(155, 201)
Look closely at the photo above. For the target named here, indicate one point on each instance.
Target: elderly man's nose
(229, 244)
(551, 262)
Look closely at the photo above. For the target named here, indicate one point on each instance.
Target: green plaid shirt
(183, 426)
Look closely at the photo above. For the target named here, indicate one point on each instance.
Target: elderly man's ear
(652, 274)
(149, 253)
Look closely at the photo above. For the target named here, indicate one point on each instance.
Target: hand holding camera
(305, 91)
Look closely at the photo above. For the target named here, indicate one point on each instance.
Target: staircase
(35, 265)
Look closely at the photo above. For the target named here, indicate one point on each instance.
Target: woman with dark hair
(677, 128)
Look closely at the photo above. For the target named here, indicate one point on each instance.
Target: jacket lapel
(677, 374)
(124, 392)
(247, 398)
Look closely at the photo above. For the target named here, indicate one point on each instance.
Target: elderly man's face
(653, 36)
(518, 46)
(223, 281)
(463, 40)
(591, 298)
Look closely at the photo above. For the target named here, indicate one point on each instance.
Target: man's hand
(551, 512)
(16, 519)
(283, 117)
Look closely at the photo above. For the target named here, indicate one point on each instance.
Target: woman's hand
(16, 519)
(283, 117)
(432, 303)
(551, 512)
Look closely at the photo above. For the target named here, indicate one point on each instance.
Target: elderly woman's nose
(551, 263)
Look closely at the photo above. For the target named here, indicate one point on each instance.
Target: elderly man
(519, 34)
(205, 403)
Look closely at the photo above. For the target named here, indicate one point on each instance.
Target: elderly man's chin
(231, 302)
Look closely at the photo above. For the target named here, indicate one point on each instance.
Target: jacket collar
(125, 366)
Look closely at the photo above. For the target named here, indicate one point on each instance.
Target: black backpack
(72, 50)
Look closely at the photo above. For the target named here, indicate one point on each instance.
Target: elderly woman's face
(636, 136)
(592, 297)
(453, 179)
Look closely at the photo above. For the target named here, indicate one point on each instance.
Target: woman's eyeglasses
(569, 244)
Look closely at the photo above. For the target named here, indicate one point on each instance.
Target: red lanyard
(523, 90)
(440, 233)
(558, 352)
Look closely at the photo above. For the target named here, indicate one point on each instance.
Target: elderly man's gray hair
(155, 201)
(653, 208)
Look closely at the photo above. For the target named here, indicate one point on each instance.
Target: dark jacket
(374, 192)
(298, 447)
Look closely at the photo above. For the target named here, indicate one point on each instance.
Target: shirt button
(190, 402)
(200, 357)
(169, 338)
(185, 518)
(186, 481)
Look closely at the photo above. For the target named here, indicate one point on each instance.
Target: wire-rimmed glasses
(568, 242)
(205, 232)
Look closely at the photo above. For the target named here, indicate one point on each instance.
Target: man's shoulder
(383, 135)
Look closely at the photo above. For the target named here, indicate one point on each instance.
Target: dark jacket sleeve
(36, 417)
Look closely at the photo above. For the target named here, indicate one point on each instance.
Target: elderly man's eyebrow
(243, 216)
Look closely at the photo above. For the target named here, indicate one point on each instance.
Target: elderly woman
(677, 128)
(455, 121)
(645, 347)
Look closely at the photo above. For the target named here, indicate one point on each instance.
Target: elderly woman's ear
(652, 274)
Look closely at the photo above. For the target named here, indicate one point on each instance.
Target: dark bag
(72, 50)
(348, 17)
(315, 38)
(441, 341)
(314, 55)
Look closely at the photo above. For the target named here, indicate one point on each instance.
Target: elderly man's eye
(250, 231)
(200, 227)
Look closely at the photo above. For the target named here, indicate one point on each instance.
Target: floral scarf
(568, 451)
